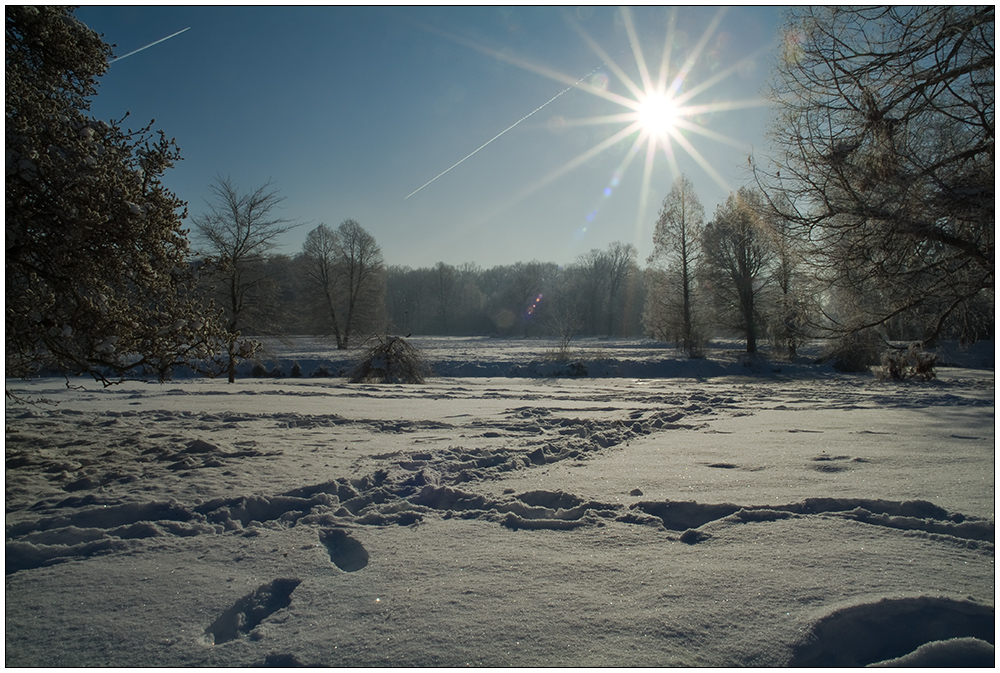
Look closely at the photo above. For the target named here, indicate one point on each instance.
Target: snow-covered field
(657, 512)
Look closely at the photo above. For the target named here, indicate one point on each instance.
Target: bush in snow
(296, 370)
(258, 371)
(856, 352)
(390, 359)
(912, 363)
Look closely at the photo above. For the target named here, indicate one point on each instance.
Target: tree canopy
(98, 279)
(885, 157)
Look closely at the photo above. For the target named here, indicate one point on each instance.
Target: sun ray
(600, 120)
(516, 61)
(725, 106)
(668, 40)
(646, 185)
(701, 161)
(640, 61)
(568, 166)
(695, 54)
(709, 133)
(612, 65)
(719, 76)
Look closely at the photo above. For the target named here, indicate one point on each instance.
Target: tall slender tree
(676, 247)
(346, 269)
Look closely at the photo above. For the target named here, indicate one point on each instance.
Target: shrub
(912, 363)
(258, 371)
(296, 370)
(321, 372)
(390, 359)
(856, 352)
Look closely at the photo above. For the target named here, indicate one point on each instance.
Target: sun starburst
(660, 114)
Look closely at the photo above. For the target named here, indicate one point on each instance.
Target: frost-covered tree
(737, 251)
(98, 279)
(601, 279)
(622, 270)
(885, 159)
(237, 231)
(346, 272)
(794, 303)
(676, 242)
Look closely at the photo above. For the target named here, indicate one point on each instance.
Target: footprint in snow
(346, 553)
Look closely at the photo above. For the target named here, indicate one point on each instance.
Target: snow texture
(799, 517)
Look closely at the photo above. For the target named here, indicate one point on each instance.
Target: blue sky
(351, 109)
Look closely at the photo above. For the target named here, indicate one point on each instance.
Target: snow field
(742, 520)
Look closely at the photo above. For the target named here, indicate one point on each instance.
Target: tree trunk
(232, 361)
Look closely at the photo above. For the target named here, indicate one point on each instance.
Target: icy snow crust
(731, 516)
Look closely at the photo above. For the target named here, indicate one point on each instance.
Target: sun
(656, 113)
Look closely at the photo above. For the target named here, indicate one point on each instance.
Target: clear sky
(350, 110)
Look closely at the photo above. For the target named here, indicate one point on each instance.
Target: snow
(707, 513)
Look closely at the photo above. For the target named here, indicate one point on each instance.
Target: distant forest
(601, 294)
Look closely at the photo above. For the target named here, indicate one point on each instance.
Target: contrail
(151, 44)
(504, 131)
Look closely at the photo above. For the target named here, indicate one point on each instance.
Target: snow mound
(951, 653)
(892, 628)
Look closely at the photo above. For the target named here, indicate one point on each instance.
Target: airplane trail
(151, 44)
(503, 132)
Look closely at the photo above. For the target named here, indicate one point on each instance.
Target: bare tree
(445, 279)
(794, 304)
(885, 157)
(621, 268)
(736, 255)
(238, 231)
(601, 279)
(345, 267)
(320, 254)
(676, 242)
(591, 282)
(362, 267)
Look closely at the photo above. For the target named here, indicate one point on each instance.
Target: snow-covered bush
(912, 363)
(390, 359)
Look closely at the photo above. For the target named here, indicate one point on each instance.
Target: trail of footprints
(420, 484)
(417, 484)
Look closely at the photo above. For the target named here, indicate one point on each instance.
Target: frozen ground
(726, 516)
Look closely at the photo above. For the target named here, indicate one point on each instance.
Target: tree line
(339, 286)
(871, 219)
